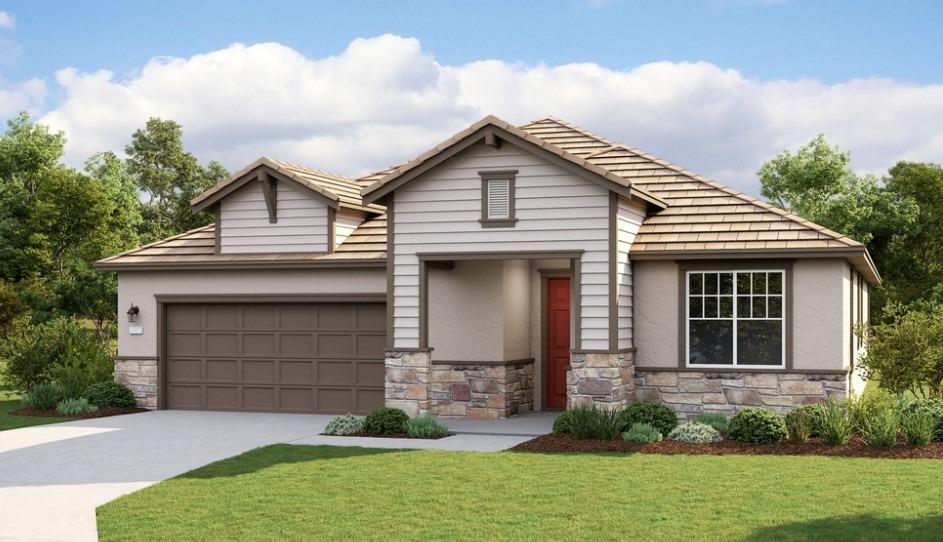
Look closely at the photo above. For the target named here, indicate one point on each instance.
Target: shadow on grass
(279, 454)
(856, 528)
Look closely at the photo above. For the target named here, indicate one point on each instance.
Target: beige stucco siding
(629, 216)
(820, 324)
(302, 224)
(140, 287)
(557, 211)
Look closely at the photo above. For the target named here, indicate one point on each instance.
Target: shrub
(385, 421)
(60, 350)
(880, 427)
(655, 414)
(757, 426)
(43, 396)
(933, 407)
(606, 423)
(578, 421)
(642, 433)
(110, 394)
(917, 427)
(814, 411)
(905, 353)
(426, 426)
(716, 420)
(799, 424)
(695, 433)
(75, 407)
(347, 424)
(835, 423)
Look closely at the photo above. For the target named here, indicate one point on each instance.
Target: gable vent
(499, 198)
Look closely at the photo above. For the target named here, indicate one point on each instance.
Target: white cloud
(384, 99)
(7, 21)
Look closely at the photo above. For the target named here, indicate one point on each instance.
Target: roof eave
(208, 265)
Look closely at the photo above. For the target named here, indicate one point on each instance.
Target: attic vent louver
(499, 198)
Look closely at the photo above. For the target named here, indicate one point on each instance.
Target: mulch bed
(855, 448)
(102, 412)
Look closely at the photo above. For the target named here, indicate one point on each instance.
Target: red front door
(558, 340)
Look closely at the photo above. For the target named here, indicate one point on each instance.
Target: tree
(123, 218)
(27, 151)
(169, 176)
(914, 263)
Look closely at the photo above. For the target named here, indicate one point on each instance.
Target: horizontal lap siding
(301, 226)
(556, 211)
(628, 221)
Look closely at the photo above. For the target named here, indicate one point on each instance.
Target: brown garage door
(275, 357)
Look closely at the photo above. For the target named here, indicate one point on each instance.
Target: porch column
(603, 379)
(407, 380)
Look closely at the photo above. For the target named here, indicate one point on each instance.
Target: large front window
(735, 318)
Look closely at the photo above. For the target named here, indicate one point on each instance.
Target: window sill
(741, 369)
(498, 222)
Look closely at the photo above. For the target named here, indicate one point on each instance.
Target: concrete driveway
(53, 477)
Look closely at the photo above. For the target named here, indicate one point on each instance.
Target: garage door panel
(296, 345)
(222, 344)
(222, 397)
(222, 370)
(275, 357)
(258, 398)
(185, 370)
(258, 344)
(258, 371)
(296, 372)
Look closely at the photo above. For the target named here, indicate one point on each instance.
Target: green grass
(285, 492)
(10, 401)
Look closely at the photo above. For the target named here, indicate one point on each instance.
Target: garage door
(275, 357)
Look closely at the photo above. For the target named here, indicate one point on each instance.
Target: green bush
(655, 414)
(642, 433)
(799, 424)
(835, 423)
(880, 427)
(60, 350)
(385, 421)
(110, 394)
(814, 411)
(43, 396)
(917, 427)
(757, 426)
(347, 424)
(716, 420)
(579, 421)
(607, 423)
(695, 433)
(426, 426)
(75, 407)
(934, 408)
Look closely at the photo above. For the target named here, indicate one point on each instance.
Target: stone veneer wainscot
(600, 379)
(140, 375)
(482, 391)
(689, 393)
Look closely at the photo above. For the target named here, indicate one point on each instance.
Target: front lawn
(10, 401)
(329, 493)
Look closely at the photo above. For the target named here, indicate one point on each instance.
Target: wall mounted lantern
(133, 313)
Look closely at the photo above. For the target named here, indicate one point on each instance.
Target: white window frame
(734, 318)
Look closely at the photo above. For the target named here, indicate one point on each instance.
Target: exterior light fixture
(133, 313)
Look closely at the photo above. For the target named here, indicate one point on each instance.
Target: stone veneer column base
(689, 393)
(140, 375)
(482, 391)
(407, 381)
(603, 380)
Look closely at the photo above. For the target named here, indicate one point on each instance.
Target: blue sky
(716, 85)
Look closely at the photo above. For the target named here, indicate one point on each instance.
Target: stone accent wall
(689, 393)
(141, 376)
(482, 391)
(407, 381)
(600, 379)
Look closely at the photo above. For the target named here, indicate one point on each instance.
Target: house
(506, 270)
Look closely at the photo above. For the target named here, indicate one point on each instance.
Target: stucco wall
(465, 312)
(140, 287)
(516, 310)
(821, 293)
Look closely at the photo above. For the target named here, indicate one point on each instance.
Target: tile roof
(195, 248)
(341, 189)
(702, 215)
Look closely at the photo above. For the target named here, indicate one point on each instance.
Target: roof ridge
(314, 170)
(715, 184)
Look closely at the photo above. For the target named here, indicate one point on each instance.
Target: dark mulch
(389, 435)
(102, 412)
(856, 448)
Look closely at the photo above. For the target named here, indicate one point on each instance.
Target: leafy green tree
(27, 151)
(914, 263)
(169, 177)
(817, 183)
(905, 351)
(123, 218)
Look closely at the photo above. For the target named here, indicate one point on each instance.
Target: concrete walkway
(52, 477)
